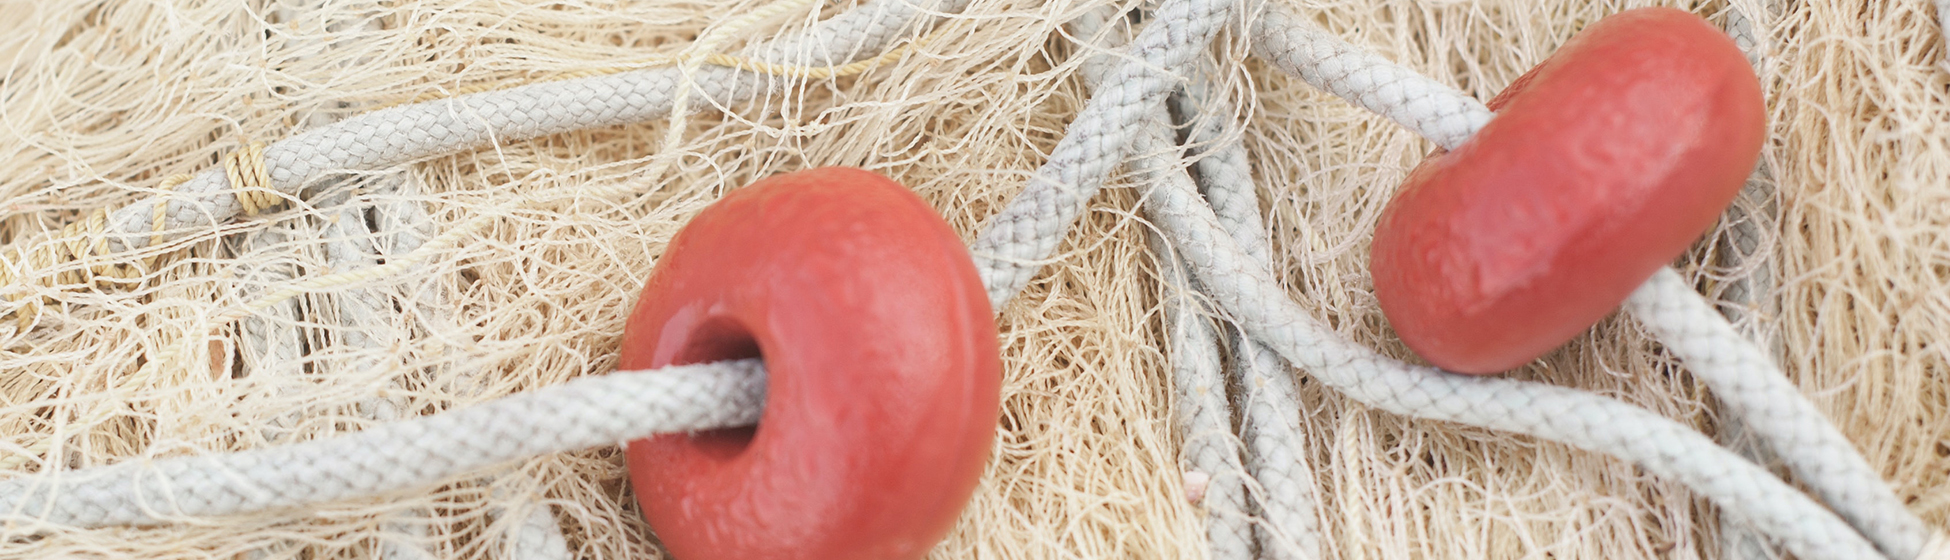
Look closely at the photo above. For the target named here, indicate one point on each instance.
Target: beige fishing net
(101, 100)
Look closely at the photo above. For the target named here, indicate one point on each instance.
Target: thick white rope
(1749, 295)
(392, 136)
(1746, 380)
(584, 412)
(1014, 243)
(389, 137)
(1550, 412)
(1298, 47)
(1584, 420)
(1288, 496)
(1202, 410)
(1742, 378)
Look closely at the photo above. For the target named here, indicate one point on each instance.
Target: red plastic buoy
(883, 387)
(1603, 164)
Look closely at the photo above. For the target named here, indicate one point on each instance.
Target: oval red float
(1603, 164)
(883, 379)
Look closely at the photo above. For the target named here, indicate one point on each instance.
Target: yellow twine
(250, 180)
(88, 237)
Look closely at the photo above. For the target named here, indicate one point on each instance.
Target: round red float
(1603, 164)
(883, 379)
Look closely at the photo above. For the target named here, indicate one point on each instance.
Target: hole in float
(719, 339)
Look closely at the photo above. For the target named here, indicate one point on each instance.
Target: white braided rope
(149, 491)
(1298, 47)
(1748, 294)
(1289, 496)
(389, 137)
(585, 412)
(1746, 380)
(1200, 406)
(1754, 390)
(1572, 417)
(1203, 414)
(1014, 243)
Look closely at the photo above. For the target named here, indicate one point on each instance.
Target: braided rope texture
(1289, 496)
(1567, 416)
(1821, 542)
(1739, 374)
(1746, 254)
(1433, 110)
(389, 137)
(1014, 243)
(1204, 416)
(1200, 403)
(1746, 381)
(586, 412)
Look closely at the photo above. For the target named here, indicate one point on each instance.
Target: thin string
(79, 241)
(250, 180)
(732, 61)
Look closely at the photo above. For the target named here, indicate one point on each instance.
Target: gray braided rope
(347, 244)
(1810, 543)
(1749, 293)
(1298, 47)
(1289, 496)
(1198, 385)
(1203, 414)
(390, 137)
(1746, 380)
(1813, 449)
(582, 413)
(1587, 421)
(1014, 243)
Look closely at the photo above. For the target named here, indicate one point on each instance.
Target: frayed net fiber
(1840, 266)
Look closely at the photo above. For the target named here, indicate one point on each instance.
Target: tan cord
(87, 238)
(250, 180)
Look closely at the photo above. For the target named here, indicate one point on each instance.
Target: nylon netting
(104, 99)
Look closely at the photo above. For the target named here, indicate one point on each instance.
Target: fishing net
(225, 338)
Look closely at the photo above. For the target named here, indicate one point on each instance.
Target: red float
(883, 373)
(1603, 164)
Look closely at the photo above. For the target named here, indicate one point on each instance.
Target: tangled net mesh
(103, 98)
